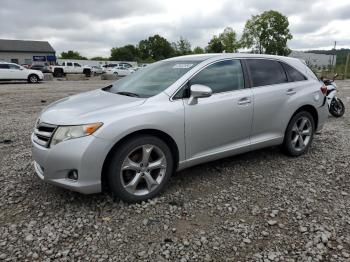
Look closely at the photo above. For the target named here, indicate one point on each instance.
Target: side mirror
(198, 91)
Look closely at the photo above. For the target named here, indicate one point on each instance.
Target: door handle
(291, 92)
(244, 101)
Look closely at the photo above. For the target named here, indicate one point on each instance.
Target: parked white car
(70, 67)
(120, 71)
(11, 71)
(97, 70)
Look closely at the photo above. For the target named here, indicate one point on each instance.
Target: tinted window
(4, 66)
(294, 75)
(266, 72)
(69, 64)
(77, 65)
(221, 77)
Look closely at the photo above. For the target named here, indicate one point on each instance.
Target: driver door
(17, 72)
(222, 122)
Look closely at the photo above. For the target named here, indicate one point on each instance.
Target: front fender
(165, 116)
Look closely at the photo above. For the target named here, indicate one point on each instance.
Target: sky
(93, 27)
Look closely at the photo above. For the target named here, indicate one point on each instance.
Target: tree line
(266, 33)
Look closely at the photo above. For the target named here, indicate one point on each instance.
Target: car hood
(88, 107)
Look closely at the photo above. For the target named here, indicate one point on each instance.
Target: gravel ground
(259, 206)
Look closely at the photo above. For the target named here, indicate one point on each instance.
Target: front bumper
(85, 155)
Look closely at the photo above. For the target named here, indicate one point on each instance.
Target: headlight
(64, 133)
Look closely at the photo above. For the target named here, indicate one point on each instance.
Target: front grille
(43, 133)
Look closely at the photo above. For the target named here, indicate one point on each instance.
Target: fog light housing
(73, 175)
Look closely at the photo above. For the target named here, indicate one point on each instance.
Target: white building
(315, 60)
(26, 52)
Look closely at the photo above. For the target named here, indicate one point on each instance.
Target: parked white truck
(69, 67)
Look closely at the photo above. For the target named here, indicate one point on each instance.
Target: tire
(87, 72)
(299, 134)
(33, 79)
(138, 181)
(58, 72)
(337, 108)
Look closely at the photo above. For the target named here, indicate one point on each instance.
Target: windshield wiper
(124, 93)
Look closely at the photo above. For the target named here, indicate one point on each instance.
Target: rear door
(4, 71)
(274, 99)
(69, 67)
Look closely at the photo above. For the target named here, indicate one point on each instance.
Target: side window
(77, 65)
(221, 77)
(69, 64)
(12, 66)
(293, 74)
(4, 66)
(266, 72)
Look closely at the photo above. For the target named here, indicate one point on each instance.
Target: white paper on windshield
(183, 66)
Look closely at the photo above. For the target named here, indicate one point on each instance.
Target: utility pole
(334, 55)
(346, 65)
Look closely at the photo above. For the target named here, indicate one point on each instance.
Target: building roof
(7, 45)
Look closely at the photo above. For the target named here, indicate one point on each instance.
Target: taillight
(324, 90)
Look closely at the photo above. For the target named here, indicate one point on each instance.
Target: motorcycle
(335, 105)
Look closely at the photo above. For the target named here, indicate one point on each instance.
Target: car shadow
(186, 178)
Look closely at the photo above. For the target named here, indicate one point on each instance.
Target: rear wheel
(140, 168)
(87, 72)
(33, 79)
(58, 72)
(299, 134)
(337, 107)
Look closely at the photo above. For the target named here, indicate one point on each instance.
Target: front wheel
(337, 107)
(299, 134)
(33, 79)
(140, 168)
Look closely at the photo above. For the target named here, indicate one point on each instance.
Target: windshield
(153, 79)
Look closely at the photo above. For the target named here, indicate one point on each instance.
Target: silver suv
(133, 135)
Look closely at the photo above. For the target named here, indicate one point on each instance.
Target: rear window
(293, 74)
(266, 72)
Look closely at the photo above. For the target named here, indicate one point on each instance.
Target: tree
(156, 48)
(267, 33)
(72, 55)
(99, 58)
(125, 53)
(182, 47)
(198, 50)
(228, 40)
(215, 45)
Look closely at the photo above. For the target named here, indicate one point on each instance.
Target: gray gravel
(260, 206)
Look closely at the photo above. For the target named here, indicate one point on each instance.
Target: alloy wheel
(301, 133)
(143, 170)
(33, 79)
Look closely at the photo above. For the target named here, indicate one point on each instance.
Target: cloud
(93, 27)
